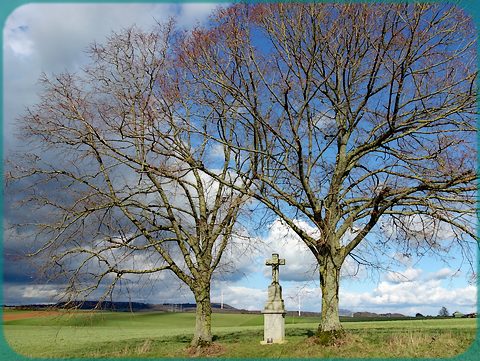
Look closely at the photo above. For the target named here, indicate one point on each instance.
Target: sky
(52, 38)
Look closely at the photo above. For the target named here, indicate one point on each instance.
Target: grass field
(107, 334)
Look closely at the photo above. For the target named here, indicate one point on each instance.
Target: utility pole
(221, 303)
(299, 312)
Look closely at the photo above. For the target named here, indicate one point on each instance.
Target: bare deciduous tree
(361, 118)
(352, 118)
(114, 163)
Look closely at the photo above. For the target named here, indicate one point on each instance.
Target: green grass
(118, 334)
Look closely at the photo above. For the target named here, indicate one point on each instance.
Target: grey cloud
(60, 32)
(21, 293)
(52, 38)
(164, 288)
(57, 36)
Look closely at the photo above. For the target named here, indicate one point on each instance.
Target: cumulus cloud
(29, 294)
(53, 37)
(301, 265)
(304, 297)
(195, 13)
(238, 260)
(300, 262)
(58, 33)
(217, 152)
(17, 39)
(402, 259)
(420, 295)
(443, 273)
(241, 297)
(417, 230)
(408, 275)
(411, 291)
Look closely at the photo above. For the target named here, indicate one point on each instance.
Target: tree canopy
(360, 119)
(114, 165)
(443, 312)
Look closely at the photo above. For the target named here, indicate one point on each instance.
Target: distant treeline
(121, 306)
(217, 308)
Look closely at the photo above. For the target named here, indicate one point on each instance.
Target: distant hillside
(372, 314)
(343, 312)
(125, 306)
(190, 307)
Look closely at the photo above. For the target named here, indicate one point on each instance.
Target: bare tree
(360, 118)
(113, 163)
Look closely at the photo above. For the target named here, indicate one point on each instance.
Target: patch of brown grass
(31, 314)
(419, 344)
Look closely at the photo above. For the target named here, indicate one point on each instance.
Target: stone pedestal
(274, 328)
(274, 316)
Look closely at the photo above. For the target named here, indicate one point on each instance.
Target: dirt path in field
(7, 316)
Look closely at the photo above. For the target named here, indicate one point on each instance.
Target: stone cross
(275, 262)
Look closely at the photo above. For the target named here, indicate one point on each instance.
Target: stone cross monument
(274, 312)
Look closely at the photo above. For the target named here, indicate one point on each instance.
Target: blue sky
(52, 38)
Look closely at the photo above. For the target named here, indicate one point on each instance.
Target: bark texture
(203, 319)
(329, 284)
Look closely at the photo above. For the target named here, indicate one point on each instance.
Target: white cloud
(300, 262)
(418, 230)
(52, 38)
(241, 297)
(217, 151)
(443, 273)
(238, 259)
(402, 259)
(59, 33)
(421, 295)
(408, 275)
(309, 297)
(325, 122)
(301, 265)
(17, 39)
(40, 293)
(192, 14)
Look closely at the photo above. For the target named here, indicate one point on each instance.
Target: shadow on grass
(299, 332)
(176, 339)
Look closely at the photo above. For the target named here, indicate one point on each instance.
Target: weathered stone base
(274, 327)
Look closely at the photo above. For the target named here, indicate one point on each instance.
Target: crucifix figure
(275, 262)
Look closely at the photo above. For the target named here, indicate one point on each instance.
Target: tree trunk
(203, 320)
(329, 283)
